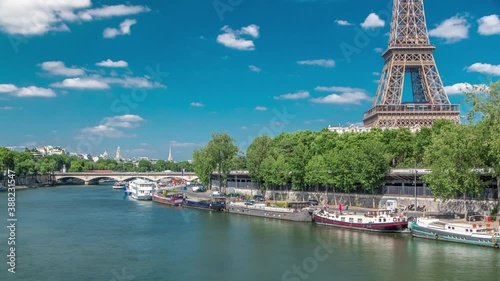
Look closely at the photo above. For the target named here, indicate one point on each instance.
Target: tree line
(24, 163)
(456, 154)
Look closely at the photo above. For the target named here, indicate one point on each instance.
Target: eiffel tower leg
(394, 81)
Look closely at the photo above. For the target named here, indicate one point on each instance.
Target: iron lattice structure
(410, 52)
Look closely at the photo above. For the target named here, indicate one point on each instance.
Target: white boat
(472, 233)
(119, 185)
(141, 189)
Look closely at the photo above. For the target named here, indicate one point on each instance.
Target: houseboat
(174, 199)
(262, 210)
(141, 189)
(468, 233)
(378, 221)
(216, 204)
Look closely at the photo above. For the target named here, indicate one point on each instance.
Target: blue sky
(149, 75)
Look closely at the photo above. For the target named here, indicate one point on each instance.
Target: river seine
(81, 233)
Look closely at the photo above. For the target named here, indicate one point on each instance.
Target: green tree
(485, 106)
(453, 158)
(160, 166)
(258, 150)
(222, 150)
(203, 165)
(317, 172)
(145, 166)
(372, 165)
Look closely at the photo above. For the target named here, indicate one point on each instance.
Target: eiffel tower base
(409, 115)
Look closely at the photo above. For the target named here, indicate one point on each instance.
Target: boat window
(351, 220)
(360, 220)
(385, 220)
(466, 230)
(342, 218)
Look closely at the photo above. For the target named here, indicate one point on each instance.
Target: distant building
(50, 150)
(360, 129)
(118, 156)
(351, 129)
(104, 155)
(170, 159)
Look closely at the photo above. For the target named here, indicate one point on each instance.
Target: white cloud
(489, 25)
(260, 108)
(103, 131)
(344, 98)
(378, 50)
(337, 89)
(33, 91)
(107, 128)
(254, 68)
(244, 128)
(58, 68)
(342, 22)
(123, 121)
(7, 88)
(322, 62)
(124, 29)
(376, 73)
(485, 68)
(27, 17)
(110, 63)
(132, 82)
(293, 96)
(233, 38)
(112, 11)
(452, 30)
(346, 95)
(82, 83)
(252, 30)
(182, 144)
(373, 21)
(197, 104)
(461, 88)
(10, 108)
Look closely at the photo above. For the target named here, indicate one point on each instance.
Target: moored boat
(216, 204)
(141, 189)
(378, 221)
(119, 185)
(174, 199)
(474, 233)
(261, 210)
(3, 188)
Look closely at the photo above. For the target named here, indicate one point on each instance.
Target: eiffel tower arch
(410, 52)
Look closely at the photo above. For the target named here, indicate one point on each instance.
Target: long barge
(261, 210)
(175, 199)
(377, 221)
(215, 204)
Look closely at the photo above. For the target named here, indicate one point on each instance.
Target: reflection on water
(91, 233)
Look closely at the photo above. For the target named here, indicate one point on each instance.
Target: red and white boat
(174, 199)
(379, 221)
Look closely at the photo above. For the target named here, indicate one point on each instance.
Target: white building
(118, 156)
(359, 129)
(351, 129)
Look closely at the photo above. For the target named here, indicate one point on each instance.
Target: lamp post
(415, 184)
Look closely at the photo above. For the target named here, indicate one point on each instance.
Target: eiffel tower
(410, 52)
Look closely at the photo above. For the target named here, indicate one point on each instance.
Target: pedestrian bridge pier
(93, 177)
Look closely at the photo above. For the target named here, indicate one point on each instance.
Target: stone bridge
(94, 177)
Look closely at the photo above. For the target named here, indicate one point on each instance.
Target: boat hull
(213, 206)
(167, 201)
(300, 216)
(398, 226)
(436, 234)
